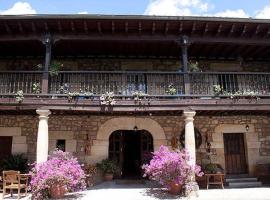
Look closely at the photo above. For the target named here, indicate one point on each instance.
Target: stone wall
(80, 131)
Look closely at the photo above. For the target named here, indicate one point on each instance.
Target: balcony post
(45, 78)
(184, 48)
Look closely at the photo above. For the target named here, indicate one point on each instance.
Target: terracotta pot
(175, 188)
(108, 177)
(58, 191)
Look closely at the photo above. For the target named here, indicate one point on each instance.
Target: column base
(191, 189)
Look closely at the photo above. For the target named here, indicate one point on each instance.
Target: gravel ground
(112, 191)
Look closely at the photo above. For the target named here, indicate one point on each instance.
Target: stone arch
(100, 146)
(251, 142)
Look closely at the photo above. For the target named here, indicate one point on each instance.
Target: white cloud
(190, 8)
(232, 13)
(19, 8)
(175, 7)
(83, 13)
(264, 13)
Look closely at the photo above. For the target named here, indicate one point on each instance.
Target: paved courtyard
(110, 190)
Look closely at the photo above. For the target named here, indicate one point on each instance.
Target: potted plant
(19, 96)
(171, 90)
(59, 174)
(171, 169)
(55, 68)
(36, 88)
(217, 89)
(193, 66)
(107, 99)
(108, 167)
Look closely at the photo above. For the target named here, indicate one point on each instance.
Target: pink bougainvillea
(167, 166)
(61, 168)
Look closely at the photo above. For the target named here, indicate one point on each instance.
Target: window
(61, 145)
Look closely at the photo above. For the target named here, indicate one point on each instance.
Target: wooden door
(116, 150)
(6, 146)
(235, 158)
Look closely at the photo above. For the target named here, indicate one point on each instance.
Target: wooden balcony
(241, 93)
(155, 84)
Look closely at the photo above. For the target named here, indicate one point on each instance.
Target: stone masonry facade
(81, 131)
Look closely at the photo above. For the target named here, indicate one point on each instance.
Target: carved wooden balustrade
(126, 83)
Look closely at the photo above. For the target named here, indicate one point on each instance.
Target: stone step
(238, 176)
(244, 184)
(233, 180)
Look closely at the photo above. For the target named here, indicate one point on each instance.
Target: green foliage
(55, 68)
(217, 90)
(19, 96)
(193, 66)
(211, 167)
(36, 88)
(171, 90)
(107, 166)
(15, 162)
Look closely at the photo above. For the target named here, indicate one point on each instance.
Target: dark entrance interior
(235, 158)
(6, 146)
(128, 149)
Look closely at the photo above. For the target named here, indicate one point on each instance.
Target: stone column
(42, 136)
(190, 146)
(190, 136)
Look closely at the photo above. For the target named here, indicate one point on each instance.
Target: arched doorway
(130, 149)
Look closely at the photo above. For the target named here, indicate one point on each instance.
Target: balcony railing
(125, 83)
(13, 81)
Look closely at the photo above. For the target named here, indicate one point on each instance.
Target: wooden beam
(85, 27)
(232, 30)
(246, 51)
(20, 27)
(99, 28)
(59, 26)
(267, 34)
(257, 29)
(180, 30)
(46, 27)
(153, 28)
(166, 29)
(72, 26)
(126, 27)
(226, 51)
(134, 37)
(8, 30)
(113, 27)
(34, 29)
(219, 29)
(48, 53)
(244, 30)
(193, 28)
(140, 28)
(206, 28)
(258, 51)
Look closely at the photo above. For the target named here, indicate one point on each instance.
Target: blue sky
(224, 8)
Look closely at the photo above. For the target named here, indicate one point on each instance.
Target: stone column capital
(43, 113)
(189, 115)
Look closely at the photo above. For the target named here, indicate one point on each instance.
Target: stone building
(194, 81)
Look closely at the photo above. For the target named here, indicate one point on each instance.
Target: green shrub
(16, 162)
